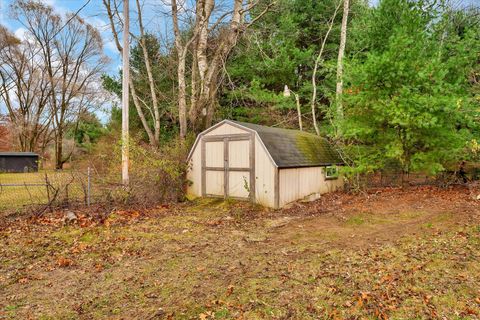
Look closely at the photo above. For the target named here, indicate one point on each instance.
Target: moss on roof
(294, 148)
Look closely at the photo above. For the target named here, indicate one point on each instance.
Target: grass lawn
(31, 189)
(411, 254)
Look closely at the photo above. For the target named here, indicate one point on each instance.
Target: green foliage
(408, 97)
(163, 71)
(87, 131)
(280, 50)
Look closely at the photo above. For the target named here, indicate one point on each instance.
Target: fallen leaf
(23, 280)
(229, 290)
(64, 262)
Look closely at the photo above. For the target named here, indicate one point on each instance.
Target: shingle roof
(294, 148)
(18, 154)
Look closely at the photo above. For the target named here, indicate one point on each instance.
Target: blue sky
(95, 14)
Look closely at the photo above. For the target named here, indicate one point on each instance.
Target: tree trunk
(59, 150)
(203, 15)
(148, 130)
(192, 113)
(150, 75)
(151, 137)
(182, 99)
(182, 49)
(153, 93)
(341, 53)
(299, 111)
(315, 69)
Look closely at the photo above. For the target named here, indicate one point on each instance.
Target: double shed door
(228, 164)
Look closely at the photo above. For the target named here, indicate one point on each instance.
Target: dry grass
(31, 188)
(386, 256)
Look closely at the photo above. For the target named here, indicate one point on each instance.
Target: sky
(95, 14)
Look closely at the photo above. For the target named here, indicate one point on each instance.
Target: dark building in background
(18, 162)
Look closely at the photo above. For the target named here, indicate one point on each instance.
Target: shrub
(157, 175)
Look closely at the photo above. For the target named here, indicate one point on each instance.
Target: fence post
(48, 190)
(88, 186)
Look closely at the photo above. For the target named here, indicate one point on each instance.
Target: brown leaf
(79, 248)
(469, 312)
(23, 280)
(64, 262)
(427, 299)
(365, 295)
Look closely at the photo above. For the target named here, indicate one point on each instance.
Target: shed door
(215, 168)
(228, 166)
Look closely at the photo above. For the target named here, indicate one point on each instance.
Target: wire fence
(44, 190)
(402, 179)
(50, 189)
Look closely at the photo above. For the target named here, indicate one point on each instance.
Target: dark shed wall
(18, 163)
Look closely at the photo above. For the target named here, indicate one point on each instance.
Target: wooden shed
(269, 166)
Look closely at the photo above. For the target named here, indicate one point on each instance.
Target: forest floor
(392, 253)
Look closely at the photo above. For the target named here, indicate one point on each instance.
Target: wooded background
(394, 85)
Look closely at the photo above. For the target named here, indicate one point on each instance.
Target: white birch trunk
(341, 53)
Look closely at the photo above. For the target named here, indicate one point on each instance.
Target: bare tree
(5, 136)
(72, 53)
(206, 42)
(211, 42)
(148, 66)
(116, 25)
(24, 91)
(318, 60)
(240, 20)
(341, 53)
(182, 50)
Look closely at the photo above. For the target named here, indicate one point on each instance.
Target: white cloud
(110, 45)
(49, 2)
(98, 23)
(21, 33)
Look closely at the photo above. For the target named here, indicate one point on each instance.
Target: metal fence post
(88, 186)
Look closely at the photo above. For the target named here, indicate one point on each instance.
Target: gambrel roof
(295, 148)
(290, 148)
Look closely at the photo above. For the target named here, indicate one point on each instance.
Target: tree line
(49, 78)
(396, 82)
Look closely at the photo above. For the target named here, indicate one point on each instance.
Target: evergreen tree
(409, 98)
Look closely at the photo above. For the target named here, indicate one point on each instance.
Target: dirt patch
(380, 216)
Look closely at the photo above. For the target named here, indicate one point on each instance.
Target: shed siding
(225, 128)
(297, 183)
(264, 176)
(239, 184)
